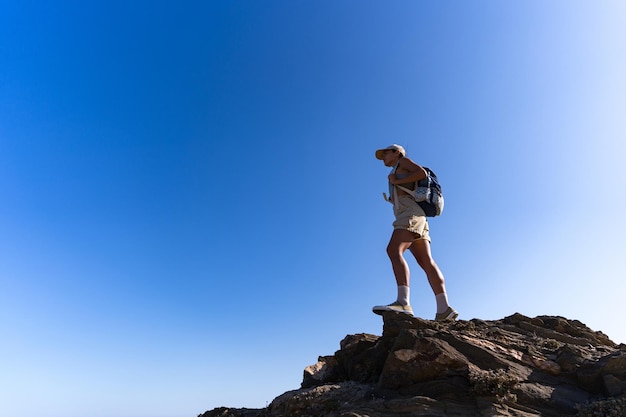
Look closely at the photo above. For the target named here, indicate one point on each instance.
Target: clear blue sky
(191, 208)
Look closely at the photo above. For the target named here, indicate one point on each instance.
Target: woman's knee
(393, 250)
(425, 261)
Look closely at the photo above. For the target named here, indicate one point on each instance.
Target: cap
(380, 154)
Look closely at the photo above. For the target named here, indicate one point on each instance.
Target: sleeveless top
(409, 185)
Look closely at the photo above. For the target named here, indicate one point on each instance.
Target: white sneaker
(449, 315)
(396, 306)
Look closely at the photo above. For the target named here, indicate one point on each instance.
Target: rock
(232, 412)
(591, 373)
(324, 370)
(414, 359)
(517, 366)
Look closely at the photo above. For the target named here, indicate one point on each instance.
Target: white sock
(442, 302)
(404, 294)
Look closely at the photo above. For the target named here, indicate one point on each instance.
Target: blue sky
(192, 209)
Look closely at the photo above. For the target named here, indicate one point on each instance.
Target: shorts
(411, 217)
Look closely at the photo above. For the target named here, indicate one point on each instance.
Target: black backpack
(428, 194)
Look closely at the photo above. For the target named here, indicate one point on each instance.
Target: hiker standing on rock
(410, 232)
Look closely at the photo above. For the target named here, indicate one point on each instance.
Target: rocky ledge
(517, 366)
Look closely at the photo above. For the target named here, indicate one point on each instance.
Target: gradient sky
(191, 208)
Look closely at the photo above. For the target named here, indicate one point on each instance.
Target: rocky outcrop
(517, 366)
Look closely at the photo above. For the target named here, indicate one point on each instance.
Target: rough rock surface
(517, 366)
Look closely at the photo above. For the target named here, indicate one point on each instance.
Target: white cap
(380, 154)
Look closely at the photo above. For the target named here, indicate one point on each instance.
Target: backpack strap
(393, 189)
(393, 193)
(406, 190)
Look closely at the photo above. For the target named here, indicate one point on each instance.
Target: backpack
(427, 194)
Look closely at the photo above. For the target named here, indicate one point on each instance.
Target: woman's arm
(407, 166)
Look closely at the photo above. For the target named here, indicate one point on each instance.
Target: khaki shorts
(411, 217)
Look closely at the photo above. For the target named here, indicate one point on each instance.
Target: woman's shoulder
(408, 164)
